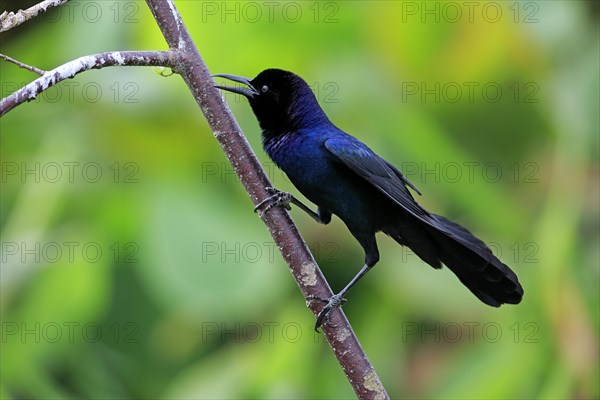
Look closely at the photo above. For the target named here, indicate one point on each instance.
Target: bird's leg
(336, 300)
(369, 244)
(277, 198)
(284, 199)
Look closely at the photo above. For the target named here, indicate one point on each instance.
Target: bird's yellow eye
(264, 88)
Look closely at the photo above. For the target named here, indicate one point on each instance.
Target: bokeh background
(133, 266)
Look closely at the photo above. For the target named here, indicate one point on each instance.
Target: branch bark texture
(9, 20)
(345, 345)
(72, 68)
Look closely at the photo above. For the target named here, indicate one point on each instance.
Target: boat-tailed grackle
(343, 176)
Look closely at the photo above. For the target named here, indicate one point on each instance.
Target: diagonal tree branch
(346, 347)
(9, 20)
(72, 68)
(183, 58)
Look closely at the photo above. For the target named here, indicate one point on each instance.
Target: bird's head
(281, 100)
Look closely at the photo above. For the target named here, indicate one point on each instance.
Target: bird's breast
(301, 157)
(320, 177)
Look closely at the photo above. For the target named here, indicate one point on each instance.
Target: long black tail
(469, 258)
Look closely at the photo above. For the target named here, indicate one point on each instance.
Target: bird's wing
(468, 257)
(378, 172)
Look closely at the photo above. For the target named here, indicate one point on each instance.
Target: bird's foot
(277, 198)
(331, 303)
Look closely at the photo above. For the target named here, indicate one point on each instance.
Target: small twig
(72, 68)
(22, 65)
(9, 20)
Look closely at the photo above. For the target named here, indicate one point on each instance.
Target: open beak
(249, 92)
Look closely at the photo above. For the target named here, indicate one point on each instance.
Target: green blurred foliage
(189, 298)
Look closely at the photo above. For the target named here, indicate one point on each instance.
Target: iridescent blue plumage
(344, 177)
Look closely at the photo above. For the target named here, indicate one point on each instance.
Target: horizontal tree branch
(86, 63)
(9, 20)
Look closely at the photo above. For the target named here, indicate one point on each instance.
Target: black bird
(343, 176)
